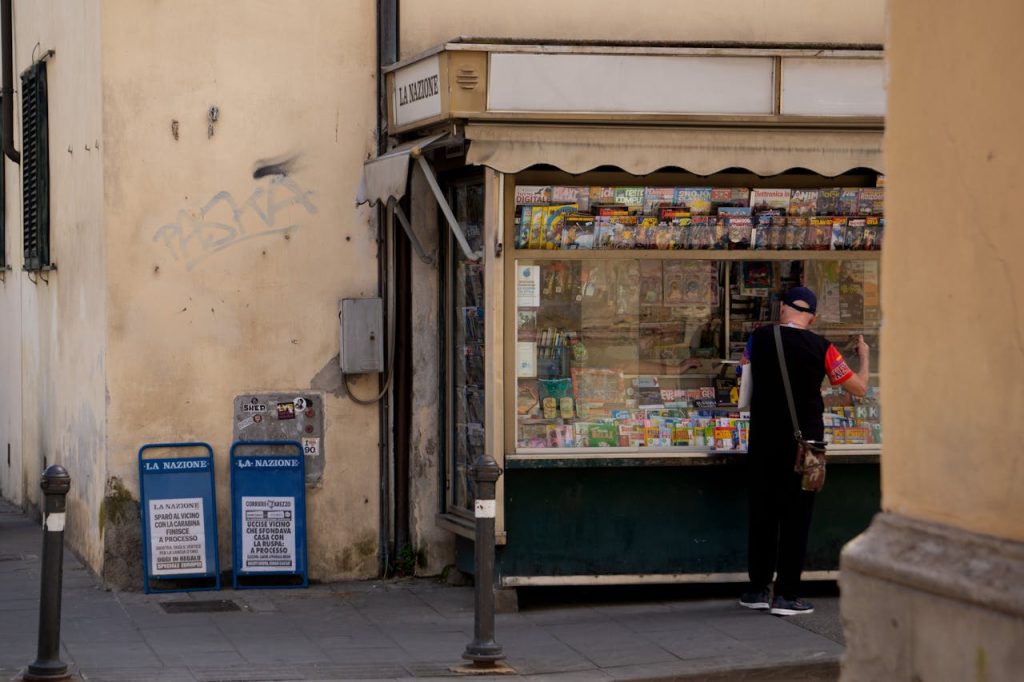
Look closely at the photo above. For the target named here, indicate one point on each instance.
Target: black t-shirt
(809, 357)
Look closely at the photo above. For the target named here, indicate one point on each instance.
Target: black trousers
(779, 521)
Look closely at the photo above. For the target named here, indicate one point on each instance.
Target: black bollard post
(48, 666)
(483, 651)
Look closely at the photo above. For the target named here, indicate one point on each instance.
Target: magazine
(762, 200)
(803, 202)
(554, 219)
(656, 198)
(740, 230)
(533, 195)
(848, 198)
(729, 196)
(578, 231)
(561, 194)
(828, 201)
(696, 199)
(650, 282)
(630, 197)
(871, 201)
(819, 233)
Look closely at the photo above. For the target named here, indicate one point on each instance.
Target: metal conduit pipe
(7, 91)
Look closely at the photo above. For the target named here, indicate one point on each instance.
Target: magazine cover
(740, 229)
(561, 194)
(828, 201)
(554, 222)
(602, 195)
(630, 197)
(526, 325)
(819, 233)
(729, 196)
(533, 195)
(871, 201)
(523, 223)
(669, 236)
(623, 232)
(603, 229)
(650, 282)
(803, 202)
(796, 232)
(720, 225)
(610, 210)
(690, 283)
(735, 211)
(697, 199)
(701, 234)
(657, 197)
(762, 200)
(645, 231)
(855, 234)
(578, 231)
(838, 233)
(756, 278)
(537, 218)
(873, 233)
(848, 198)
(771, 228)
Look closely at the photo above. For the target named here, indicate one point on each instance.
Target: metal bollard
(48, 666)
(483, 651)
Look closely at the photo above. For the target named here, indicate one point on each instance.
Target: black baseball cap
(804, 295)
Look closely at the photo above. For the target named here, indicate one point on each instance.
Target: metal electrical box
(362, 335)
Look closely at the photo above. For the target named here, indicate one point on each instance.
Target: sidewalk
(390, 630)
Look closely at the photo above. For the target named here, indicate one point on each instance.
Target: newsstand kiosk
(606, 249)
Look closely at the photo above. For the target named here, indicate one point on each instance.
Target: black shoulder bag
(810, 455)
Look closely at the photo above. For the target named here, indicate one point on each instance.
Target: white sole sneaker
(776, 611)
(760, 605)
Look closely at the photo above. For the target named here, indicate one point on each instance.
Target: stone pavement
(390, 630)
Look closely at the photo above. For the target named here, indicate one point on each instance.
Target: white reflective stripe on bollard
(484, 509)
(54, 522)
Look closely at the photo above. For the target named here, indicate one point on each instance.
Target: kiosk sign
(268, 534)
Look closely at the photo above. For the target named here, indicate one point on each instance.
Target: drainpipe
(7, 91)
(387, 53)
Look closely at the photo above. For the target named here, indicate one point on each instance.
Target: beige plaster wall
(222, 283)
(953, 342)
(53, 397)
(424, 23)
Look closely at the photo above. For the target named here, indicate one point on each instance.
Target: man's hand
(862, 347)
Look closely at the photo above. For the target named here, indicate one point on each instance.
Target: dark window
(3, 211)
(35, 167)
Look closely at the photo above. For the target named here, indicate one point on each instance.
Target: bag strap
(785, 382)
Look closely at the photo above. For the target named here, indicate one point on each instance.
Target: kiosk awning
(387, 177)
(386, 180)
(510, 148)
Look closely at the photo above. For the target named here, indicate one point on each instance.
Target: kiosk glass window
(633, 306)
(466, 345)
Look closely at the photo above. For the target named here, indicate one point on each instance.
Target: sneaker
(755, 600)
(782, 606)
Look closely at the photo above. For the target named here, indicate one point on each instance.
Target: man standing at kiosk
(780, 511)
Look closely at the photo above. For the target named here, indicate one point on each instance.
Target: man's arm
(858, 383)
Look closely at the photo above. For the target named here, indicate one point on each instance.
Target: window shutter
(3, 202)
(35, 167)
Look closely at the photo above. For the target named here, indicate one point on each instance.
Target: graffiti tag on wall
(224, 222)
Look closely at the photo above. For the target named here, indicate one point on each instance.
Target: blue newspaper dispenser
(268, 515)
(179, 519)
